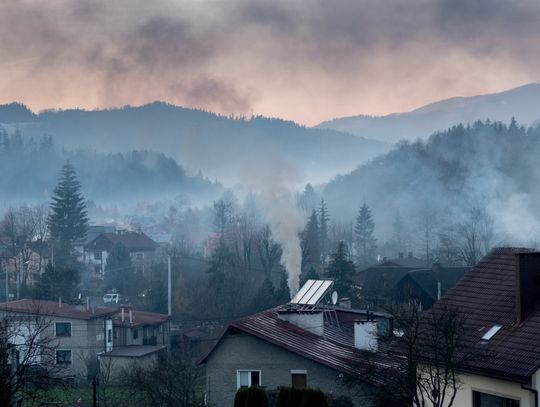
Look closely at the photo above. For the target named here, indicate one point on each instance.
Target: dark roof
(427, 279)
(411, 262)
(133, 351)
(334, 349)
(487, 296)
(133, 241)
(380, 279)
(54, 309)
(139, 318)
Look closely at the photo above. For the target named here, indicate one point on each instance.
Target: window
(63, 357)
(248, 378)
(490, 400)
(109, 335)
(299, 378)
(63, 328)
(135, 333)
(97, 255)
(492, 331)
(139, 256)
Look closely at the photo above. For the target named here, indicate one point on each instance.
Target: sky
(302, 60)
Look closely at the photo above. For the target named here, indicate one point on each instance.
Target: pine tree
(365, 238)
(68, 221)
(310, 244)
(341, 270)
(57, 281)
(120, 273)
(324, 219)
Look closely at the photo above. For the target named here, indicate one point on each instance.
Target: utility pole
(169, 288)
(7, 283)
(94, 391)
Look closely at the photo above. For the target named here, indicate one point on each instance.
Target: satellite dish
(334, 297)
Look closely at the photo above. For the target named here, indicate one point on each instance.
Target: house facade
(499, 300)
(141, 249)
(74, 336)
(81, 340)
(285, 347)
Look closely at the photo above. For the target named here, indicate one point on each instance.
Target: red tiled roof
(139, 318)
(54, 309)
(346, 359)
(487, 296)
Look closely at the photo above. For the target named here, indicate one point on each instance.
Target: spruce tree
(310, 243)
(324, 219)
(68, 221)
(365, 238)
(341, 270)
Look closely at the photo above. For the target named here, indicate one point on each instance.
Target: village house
(402, 279)
(500, 303)
(85, 338)
(141, 248)
(300, 344)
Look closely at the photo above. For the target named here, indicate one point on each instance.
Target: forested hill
(222, 147)
(522, 102)
(30, 169)
(488, 165)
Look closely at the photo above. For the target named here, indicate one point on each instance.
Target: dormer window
(491, 333)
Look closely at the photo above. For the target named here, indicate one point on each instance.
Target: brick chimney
(527, 283)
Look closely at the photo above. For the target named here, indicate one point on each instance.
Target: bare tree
(469, 240)
(27, 352)
(434, 349)
(174, 382)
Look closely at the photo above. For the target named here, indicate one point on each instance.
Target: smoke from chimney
(286, 222)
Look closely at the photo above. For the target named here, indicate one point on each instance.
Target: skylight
(492, 331)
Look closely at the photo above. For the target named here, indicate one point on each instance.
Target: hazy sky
(306, 60)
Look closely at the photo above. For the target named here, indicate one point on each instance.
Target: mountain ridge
(519, 102)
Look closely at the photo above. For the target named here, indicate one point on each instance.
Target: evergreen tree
(120, 273)
(265, 297)
(341, 270)
(324, 219)
(57, 281)
(283, 294)
(68, 221)
(310, 244)
(311, 274)
(399, 233)
(365, 238)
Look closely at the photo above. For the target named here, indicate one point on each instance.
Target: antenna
(334, 297)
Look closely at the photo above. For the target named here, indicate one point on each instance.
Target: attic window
(492, 331)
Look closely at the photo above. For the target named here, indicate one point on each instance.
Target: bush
(295, 397)
(256, 397)
(342, 401)
(240, 398)
(283, 397)
(313, 398)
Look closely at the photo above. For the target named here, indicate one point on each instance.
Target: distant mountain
(522, 102)
(487, 165)
(30, 169)
(230, 149)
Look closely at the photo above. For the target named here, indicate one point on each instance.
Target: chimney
(439, 290)
(410, 256)
(345, 302)
(122, 314)
(400, 255)
(527, 283)
(130, 316)
(365, 333)
(312, 321)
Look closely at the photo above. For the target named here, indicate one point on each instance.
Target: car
(111, 298)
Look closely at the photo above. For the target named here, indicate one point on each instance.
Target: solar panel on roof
(312, 292)
(302, 291)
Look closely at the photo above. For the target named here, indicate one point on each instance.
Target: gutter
(533, 391)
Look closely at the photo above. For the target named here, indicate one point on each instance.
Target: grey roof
(134, 351)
